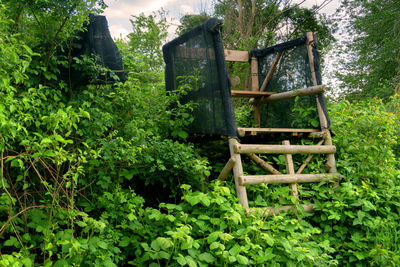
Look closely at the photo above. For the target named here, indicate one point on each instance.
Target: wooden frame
(258, 96)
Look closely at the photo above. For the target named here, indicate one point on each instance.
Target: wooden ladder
(292, 177)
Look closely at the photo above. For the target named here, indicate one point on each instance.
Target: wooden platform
(255, 131)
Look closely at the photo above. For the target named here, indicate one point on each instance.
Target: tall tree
(147, 36)
(259, 23)
(373, 49)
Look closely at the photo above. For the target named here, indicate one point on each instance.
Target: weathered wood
(291, 94)
(331, 162)
(270, 72)
(237, 172)
(227, 168)
(290, 170)
(268, 211)
(243, 131)
(236, 55)
(310, 42)
(254, 87)
(284, 149)
(242, 93)
(318, 134)
(308, 159)
(263, 164)
(287, 178)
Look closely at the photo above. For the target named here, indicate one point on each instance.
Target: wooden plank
(290, 170)
(270, 72)
(284, 149)
(242, 93)
(237, 172)
(313, 90)
(263, 164)
(268, 211)
(226, 170)
(287, 178)
(236, 55)
(243, 131)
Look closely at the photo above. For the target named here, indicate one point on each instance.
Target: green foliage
(373, 52)
(72, 164)
(258, 24)
(189, 21)
(148, 34)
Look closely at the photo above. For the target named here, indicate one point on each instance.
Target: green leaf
(213, 236)
(161, 243)
(207, 257)
(190, 261)
(242, 259)
(181, 259)
(102, 244)
(11, 242)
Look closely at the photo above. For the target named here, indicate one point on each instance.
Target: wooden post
(331, 162)
(310, 42)
(225, 171)
(237, 172)
(290, 170)
(254, 87)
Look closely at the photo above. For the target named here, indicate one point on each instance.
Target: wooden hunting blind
(284, 78)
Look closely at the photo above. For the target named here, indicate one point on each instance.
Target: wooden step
(287, 178)
(254, 131)
(284, 149)
(241, 93)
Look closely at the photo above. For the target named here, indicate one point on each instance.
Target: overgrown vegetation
(104, 175)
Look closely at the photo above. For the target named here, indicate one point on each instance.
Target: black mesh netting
(96, 41)
(196, 61)
(292, 72)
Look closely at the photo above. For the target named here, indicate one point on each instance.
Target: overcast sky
(119, 12)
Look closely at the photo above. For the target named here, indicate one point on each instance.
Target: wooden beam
(268, 211)
(270, 72)
(263, 164)
(290, 170)
(242, 93)
(318, 135)
(226, 170)
(237, 172)
(287, 178)
(313, 90)
(236, 55)
(243, 131)
(284, 149)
